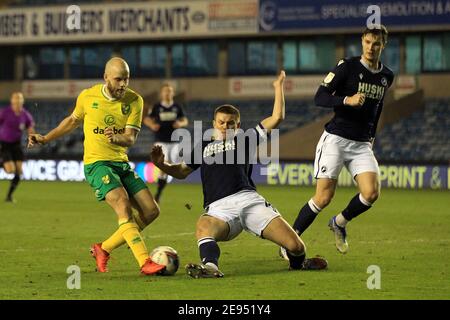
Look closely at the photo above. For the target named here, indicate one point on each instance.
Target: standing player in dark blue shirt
(230, 198)
(163, 119)
(355, 89)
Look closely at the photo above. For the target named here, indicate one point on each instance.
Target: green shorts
(104, 176)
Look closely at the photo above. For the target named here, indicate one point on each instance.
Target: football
(167, 256)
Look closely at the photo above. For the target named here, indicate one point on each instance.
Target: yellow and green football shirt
(99, 112)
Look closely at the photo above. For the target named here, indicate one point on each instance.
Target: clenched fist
(356, 101)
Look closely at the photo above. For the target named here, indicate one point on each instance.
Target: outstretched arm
(66, 126)
(278, 112)
(179, 170)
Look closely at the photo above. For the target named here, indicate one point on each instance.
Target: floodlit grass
(406, 234)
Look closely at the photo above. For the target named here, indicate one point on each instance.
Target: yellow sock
(130, 232)
(113, 242)
(116, 240)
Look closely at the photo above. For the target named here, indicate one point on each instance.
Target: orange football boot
(150, 267)
(101, 257)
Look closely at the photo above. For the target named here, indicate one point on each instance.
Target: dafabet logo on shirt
(98, 130)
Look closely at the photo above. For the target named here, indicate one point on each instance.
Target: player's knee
(153, 212)
(10, 169)
(323, 199)
(203, 229)
(122, 205)
(371, 195)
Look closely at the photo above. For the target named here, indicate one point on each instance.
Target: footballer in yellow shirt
(98, 112)
(111, 114)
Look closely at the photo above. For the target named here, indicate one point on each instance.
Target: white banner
(120, 21)
(262, 86)
(51, 170)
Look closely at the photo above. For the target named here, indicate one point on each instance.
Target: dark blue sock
(209, 250)
(295, 262)
(306, 217)
(161, 185)
(355, 208)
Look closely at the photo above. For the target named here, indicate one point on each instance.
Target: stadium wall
(282, 174)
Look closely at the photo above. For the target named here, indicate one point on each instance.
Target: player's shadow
(274, 265)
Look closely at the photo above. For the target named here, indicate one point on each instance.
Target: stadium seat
(423, 136)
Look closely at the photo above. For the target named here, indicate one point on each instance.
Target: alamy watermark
(249, 147)
(74, 278)
(73, 21)
(374, 280)
(374, 20)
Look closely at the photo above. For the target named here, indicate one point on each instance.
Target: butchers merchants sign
(149, 20)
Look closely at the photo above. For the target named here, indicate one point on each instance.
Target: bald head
(117, 76)
(116, 64)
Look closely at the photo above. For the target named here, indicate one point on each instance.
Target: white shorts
(244, 210)
(333, 152)
(171, 154)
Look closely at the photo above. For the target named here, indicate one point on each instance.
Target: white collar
(369, 68)
(106, 94)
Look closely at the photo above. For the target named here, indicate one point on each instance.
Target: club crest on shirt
(384, 81)
(125, 109)
(105, 179)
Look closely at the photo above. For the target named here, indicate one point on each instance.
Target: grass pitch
(406, 234)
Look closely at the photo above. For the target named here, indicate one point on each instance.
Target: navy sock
(355, 207)
(295, 262)
(209, 250)
(306, 217)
